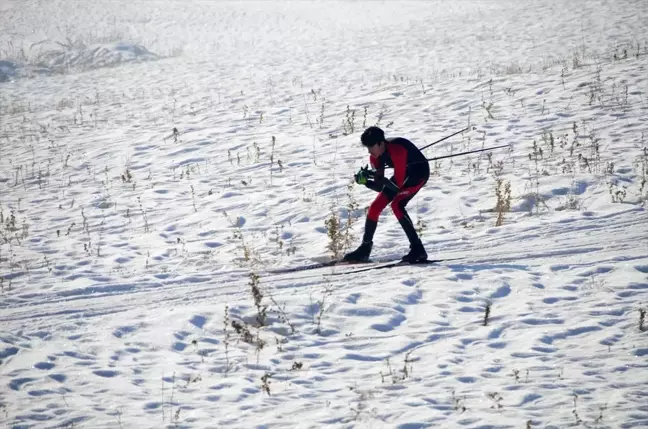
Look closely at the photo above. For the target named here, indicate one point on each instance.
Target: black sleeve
(374, 185)
(384, 185)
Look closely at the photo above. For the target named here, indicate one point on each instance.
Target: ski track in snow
(126, 246)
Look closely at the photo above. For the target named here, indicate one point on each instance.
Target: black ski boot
(417, 252)
(361, 254)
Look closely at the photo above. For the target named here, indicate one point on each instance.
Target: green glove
(363, 175)
(360, 178)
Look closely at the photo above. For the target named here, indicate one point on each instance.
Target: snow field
(128, 240)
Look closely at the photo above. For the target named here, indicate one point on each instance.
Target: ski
(374, 264)
(391, 264)
(333, 263)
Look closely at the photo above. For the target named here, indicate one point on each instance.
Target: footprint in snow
(9, 351)
(353, 298)
(179, 346)
(44, 365)
(58, 377)
(640, 352)
(124, 330)
(106, 373)
(395, 321)
(198, 321)
(17, 383)
(409, 282)
(549, 339)
(495, 333)
(414, 297)
(501, 292)
(642, 268)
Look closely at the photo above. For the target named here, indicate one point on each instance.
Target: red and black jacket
(409, 164)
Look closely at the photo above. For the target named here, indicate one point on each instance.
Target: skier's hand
(363, 175)
(361, 178)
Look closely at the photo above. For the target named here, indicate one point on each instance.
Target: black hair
(372, 136)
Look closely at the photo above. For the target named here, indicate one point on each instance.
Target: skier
(411, 172)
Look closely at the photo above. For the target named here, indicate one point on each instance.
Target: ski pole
(445, 138)
(459, 154)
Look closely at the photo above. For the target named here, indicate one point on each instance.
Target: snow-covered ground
(129, 251)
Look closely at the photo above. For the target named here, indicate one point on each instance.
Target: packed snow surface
(143, 203)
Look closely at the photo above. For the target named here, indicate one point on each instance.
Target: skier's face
(377, 149)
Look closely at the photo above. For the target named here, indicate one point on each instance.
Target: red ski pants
(397, 204)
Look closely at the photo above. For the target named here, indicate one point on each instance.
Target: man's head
(373, 139)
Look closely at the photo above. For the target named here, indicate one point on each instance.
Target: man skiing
(411, 172)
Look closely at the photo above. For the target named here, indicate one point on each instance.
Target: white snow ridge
(146, 207)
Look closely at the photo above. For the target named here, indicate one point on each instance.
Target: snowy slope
(129, 251)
